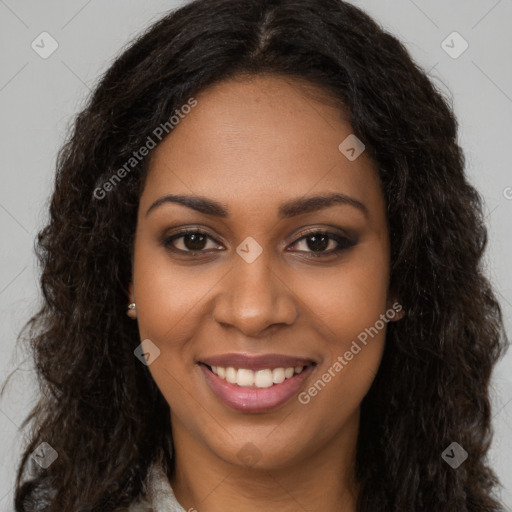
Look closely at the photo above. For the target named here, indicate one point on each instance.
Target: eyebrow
(287, 209)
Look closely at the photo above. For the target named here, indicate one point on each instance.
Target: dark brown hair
(99, 407)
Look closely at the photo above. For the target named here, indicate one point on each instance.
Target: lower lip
(255, 399)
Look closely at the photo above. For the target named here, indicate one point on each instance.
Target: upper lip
(256, 362)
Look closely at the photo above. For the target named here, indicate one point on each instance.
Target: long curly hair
(99, 408)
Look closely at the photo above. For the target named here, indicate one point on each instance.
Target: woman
(274, 194)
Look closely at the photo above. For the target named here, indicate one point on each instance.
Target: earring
(131, 311)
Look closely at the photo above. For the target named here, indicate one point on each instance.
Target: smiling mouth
(256, 391)
(257, 379)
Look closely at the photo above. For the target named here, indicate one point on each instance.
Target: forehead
(260, 140)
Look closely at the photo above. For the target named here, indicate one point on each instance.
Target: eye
(319, 241)
(196, 241)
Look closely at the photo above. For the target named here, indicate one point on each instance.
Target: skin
(252, 143)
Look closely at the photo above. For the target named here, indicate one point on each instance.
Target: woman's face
(257, 281)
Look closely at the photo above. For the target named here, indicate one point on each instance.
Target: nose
(254, 298)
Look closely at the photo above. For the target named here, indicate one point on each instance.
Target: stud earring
(131, 311)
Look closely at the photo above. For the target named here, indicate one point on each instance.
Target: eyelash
(344, 243)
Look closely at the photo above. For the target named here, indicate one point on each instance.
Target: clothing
(160, 496)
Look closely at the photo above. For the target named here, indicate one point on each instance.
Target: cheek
(353, 355)
(351, 297)
(167, 295)
(168, 300)
(349, 315)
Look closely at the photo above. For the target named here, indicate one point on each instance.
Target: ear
(395, 311)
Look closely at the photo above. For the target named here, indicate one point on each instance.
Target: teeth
(231, 375)
(244, 377)
(260, 378)
(278, 375)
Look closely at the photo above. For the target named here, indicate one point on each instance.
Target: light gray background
(38, 98)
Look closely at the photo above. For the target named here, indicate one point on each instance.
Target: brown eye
(317, 243)
(192, 241)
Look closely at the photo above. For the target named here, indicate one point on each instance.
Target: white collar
(160, 496)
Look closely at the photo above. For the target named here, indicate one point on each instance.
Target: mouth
(259, 379)
(267, 385)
